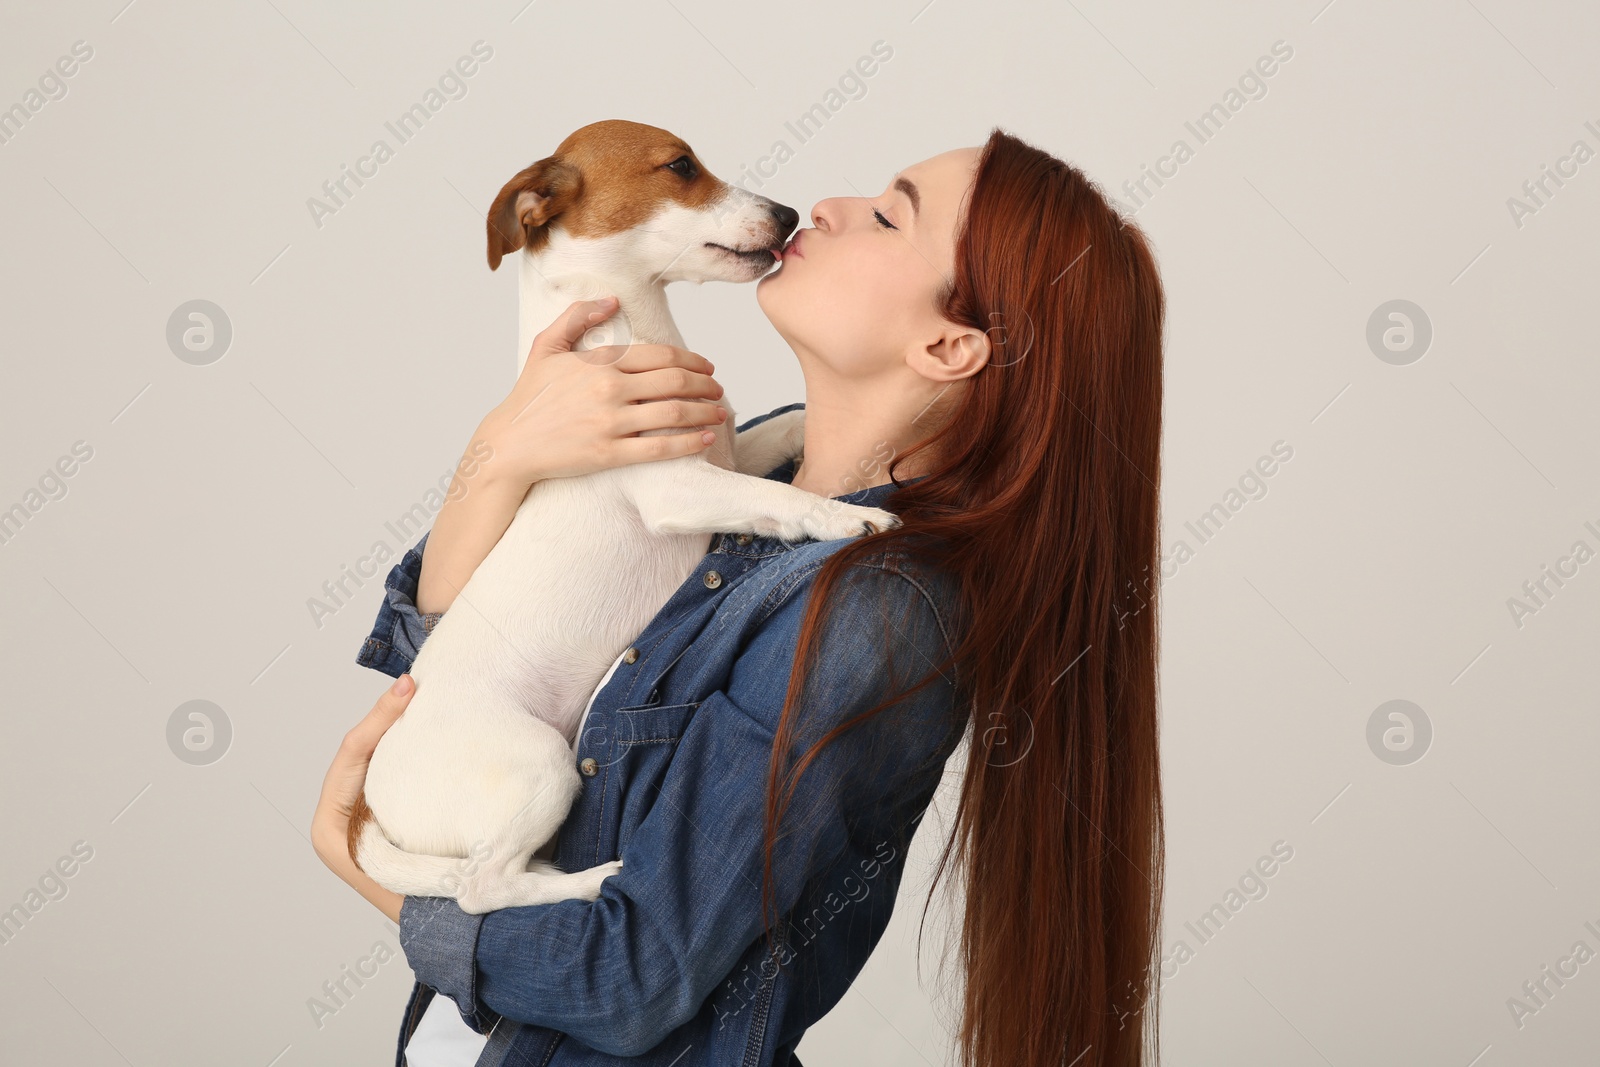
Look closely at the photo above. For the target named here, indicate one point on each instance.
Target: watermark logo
(199, 332)
(1399, 732)
(199, 732)
(1008, 739)
(1011, 336)
(1399, 332)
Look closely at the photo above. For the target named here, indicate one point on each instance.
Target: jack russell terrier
(467, 786)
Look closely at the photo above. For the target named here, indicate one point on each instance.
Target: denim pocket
(644, 740)
(652, 723)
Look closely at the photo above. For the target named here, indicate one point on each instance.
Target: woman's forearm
(330, 848)
(480, 504)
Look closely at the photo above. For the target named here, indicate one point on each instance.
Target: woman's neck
(853, 431)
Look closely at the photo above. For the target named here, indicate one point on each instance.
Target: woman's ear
(959, 352)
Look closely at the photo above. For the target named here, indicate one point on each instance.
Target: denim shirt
(670, 964)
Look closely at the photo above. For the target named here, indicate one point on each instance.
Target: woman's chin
(775, 305)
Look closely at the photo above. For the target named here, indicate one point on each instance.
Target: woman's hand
(570, 413)
(330, 824)
(573, 413)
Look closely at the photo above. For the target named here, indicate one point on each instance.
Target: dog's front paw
(592, 878)
(848, 520)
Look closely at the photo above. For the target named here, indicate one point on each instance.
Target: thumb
(397, 696)
(578, 317)
(366, 733)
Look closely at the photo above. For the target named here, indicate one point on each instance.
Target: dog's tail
(399, 871)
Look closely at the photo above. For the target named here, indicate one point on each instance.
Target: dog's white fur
(479, 772)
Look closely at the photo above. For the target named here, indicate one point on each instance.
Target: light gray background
(1378, 565)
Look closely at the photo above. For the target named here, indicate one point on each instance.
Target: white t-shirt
(441, 1039)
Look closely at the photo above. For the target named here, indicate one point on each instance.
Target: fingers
(562, 334)
(665, 382)
(664, 414)
(643, 357)
(626, 450)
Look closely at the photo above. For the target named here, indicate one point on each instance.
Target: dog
(467, 787)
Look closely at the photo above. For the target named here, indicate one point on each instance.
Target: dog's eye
(683, 167)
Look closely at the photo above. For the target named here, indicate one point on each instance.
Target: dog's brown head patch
(606, 177)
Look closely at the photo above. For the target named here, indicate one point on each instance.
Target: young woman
(981, 345)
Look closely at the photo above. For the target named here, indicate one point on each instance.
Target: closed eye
(885, 223)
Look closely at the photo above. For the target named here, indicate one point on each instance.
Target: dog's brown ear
(526, 205)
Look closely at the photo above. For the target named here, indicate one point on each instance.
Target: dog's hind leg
(408, 873)
(521, 881)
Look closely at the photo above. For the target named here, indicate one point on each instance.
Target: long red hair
(1041, 503)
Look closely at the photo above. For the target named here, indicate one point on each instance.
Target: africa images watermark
(52, 485)
(1538, 192)
(1252, 485)
(1537, 992)
(337, 992)
(854, 481)
(405, 528)
(51, 886)
(797, 931)
(851, 86)
(452, 85)
(1250, 886)
(1252, 85)
(1537, 592)
(51, 86)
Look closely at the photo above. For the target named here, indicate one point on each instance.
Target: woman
(981, 347)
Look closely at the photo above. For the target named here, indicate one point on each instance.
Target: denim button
(630, 655)
(713, 579)
(743, 539)
(589, 766)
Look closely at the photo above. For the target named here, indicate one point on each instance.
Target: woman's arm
(622, 972)
(402, 626)
(569, 413)
(480, 504)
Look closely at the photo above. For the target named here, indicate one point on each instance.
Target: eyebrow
(905, 186)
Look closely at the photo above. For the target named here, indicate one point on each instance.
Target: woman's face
(855, 293)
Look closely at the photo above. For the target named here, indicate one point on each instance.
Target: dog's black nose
(786, 217)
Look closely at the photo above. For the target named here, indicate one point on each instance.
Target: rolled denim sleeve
(440, 942)
(400, 628)
(622, 972)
